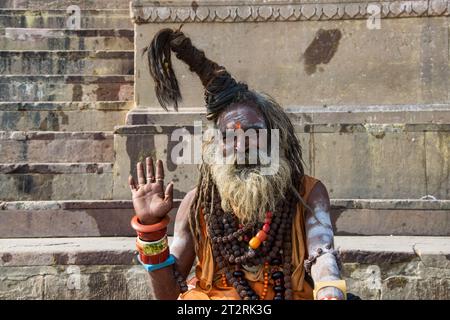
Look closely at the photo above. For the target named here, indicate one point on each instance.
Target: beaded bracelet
(181, 281)
(319, 252)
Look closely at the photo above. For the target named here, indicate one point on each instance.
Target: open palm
(151, 203)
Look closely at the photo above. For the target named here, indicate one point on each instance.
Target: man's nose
(241, 144)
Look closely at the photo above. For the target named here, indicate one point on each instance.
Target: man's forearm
(325, 268)
(163, 281)
(163, 284)
(319, 232)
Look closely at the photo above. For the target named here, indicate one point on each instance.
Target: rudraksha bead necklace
(272, 247)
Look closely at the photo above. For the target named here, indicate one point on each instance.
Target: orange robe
(208, 283)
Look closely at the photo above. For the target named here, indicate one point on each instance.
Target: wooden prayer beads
(232, 248)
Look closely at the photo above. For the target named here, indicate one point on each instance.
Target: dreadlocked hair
(276, 118)
(202, 196)
(220, 86)
(160, 63)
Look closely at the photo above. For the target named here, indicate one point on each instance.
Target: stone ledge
(55, 135)
(55, 168)
(69, 204)
(87, 218)
(97, 268)
(264, 11)
(56, 147)
(59, 39)
(67, 62)
(66, 106)
(65, 251)
(63, 4)
(399, 115)
(381, 204)
(68, 79)
(59, 20)
(77, 117)
(390, 249)
(63, 12)
(68, 56)
(378, 130)
(121, 250)
(388, 204)
(59, 33)
(69, 88)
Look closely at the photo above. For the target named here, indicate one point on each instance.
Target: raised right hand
(150, 202)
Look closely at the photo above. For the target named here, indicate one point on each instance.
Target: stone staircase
(64, 203)
(62, 91)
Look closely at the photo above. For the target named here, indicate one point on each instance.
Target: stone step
(91, 218)
(83, 218)
(89, 19)
(304, 118)
(66, 88)
(391, 217)
(53, 146)
(63, 4)
(62, 116)
(63, 39)
(56, 181)
(106, 268)
(66, 62)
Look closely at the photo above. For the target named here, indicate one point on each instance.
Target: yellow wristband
(340, 284)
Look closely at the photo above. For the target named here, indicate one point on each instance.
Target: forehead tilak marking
(240, 117)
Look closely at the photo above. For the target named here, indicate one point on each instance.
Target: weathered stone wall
(370, 106)
(418, 268)
(406, 280)
(379, 161)
(308, 54)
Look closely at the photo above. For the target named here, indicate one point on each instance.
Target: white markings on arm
(319, 232)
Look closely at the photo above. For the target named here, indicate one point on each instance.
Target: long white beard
(248, 193)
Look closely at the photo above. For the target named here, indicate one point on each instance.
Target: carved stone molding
(262, 11)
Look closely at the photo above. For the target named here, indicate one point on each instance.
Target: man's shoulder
(190, 195)
(185, 205)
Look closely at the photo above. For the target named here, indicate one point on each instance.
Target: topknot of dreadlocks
(221, 92)
(221, 89)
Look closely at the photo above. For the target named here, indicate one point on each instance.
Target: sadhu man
(255, 236)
